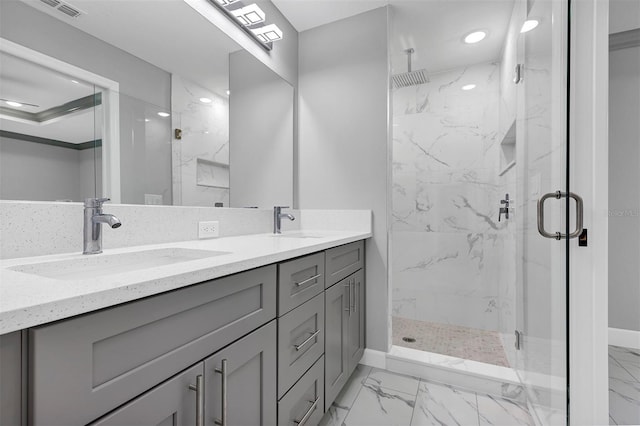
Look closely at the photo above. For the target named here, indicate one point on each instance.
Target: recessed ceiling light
(75, 81)
(228, 92)
(529, 25)
(205, 100)
(468, 86)
(14, 104)
(164, 114)
(475, 37)
(146, 120)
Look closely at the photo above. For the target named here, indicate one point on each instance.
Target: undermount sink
(109, 264)
(299, 235)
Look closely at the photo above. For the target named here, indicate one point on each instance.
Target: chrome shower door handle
(579, 215)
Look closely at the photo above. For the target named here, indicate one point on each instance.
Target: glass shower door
(542, 259)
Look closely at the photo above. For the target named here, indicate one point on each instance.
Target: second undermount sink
(299, 235)
(93, 266)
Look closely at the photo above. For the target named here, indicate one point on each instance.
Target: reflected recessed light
(268, 33)
(14, 104)
(249, 15)
(146, 120)
(75, 81)
(164, 114)
(468, 86)
(475, 37)
(205, 100)
(529, 25)
(228, 92)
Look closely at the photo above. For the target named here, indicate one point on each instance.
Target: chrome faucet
(277, 218)
(93, 220)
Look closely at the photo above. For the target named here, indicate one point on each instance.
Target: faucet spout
(277, 218)
(93, 220)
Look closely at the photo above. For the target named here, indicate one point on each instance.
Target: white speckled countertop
(27, 300)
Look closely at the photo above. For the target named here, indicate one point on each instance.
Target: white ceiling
(307, 14)
(434, 28)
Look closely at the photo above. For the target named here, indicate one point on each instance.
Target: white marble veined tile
(394, 381)
(438, 404)
(350, 391)
(549, 416)
(505, 412)
(617, 371)
(626, 355)
(379, 406)
(624, 402)
(632, 368)
(334, 416)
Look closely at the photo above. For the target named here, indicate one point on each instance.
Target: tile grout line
(477, 407)
(415, 403)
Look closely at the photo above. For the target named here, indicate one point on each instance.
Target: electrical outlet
(209, 229)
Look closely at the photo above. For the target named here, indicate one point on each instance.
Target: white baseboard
(373, 358)
(625, 338)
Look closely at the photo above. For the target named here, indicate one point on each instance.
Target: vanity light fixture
(529, 25)
(475, 37)
(249, 15)
(268, 33)
(468, 87)
(164, 114)
(205, 100)
(14, 104)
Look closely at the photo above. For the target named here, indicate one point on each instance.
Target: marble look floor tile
(628, 355)
(393, 381)
(379, 406)
(438, 404)
(334, 417)
(505, 412)
(624, 402)
(617, 371)
(350, 391)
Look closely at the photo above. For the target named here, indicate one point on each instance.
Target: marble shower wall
(447, 243)
(201, 158)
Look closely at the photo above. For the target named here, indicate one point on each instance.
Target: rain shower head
(410, 78)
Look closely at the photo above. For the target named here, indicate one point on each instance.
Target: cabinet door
(242, 379)
(172, 403)
(355, 345)
(336, 338)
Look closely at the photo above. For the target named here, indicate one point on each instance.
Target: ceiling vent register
(63, 7)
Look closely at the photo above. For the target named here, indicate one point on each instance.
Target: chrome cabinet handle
(579, 215)
(298, 347)
(306, 416)
(199, 389)
(223, 371)
(307, 280)
(348, 308)
(355, 296)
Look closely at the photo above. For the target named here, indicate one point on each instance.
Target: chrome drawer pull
(199, 389)
(223, 372)
(298, 347)
(307, 280)
(348, 309)
(306, 416)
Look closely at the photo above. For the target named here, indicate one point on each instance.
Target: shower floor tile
(461, 342)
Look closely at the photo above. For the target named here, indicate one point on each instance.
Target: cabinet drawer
(299, 280)
(304, 403)
(171, 403)
(343, 261)
(98, 361)
(300, 341)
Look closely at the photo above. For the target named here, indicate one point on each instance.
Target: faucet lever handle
(95, 202)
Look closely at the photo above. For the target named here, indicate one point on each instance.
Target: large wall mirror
(145, 102)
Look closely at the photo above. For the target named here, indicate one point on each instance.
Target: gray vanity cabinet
(355, 346)
(170, 404)
(240, 381)
(336, 340)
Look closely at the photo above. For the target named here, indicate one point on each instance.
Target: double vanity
(246, 330)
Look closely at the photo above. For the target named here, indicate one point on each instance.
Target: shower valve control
(504, 210)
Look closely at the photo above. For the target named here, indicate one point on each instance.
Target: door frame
(588, 174)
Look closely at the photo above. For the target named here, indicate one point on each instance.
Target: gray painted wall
(343, 137)
(261, 135)
(35, 171)
(624, 195)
